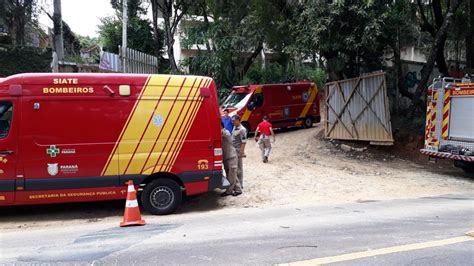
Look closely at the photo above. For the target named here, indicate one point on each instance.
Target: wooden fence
(134, 61)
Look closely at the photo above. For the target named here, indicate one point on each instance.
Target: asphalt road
(422, 231)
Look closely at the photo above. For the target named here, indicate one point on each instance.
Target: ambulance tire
(161, 196)
(308, 122)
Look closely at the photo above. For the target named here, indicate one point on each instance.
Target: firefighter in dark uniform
(239, 139)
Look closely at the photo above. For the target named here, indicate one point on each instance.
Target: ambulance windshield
(236, 100)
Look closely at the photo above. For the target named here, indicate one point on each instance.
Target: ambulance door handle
(210, 146)
(6, 152)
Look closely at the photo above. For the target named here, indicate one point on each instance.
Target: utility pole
(58, 30)
(124, 33)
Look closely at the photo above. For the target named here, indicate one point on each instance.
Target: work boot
(225, 194)
(236, 193)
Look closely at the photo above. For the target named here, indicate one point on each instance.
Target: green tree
(134, 7)
(140, 34)
(87, 41)
(349, 36)
(436, 54)
(398, 26)
(235, 36)
(18, 14)
(172, 11)
(469, 36)
(276, 73)
(461, 37)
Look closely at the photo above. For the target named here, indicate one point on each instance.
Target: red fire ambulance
(450, 122)
(81, 137)
(292, 104)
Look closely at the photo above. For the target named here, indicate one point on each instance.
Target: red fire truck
(450, 122)
(81, 137)
(292, 104)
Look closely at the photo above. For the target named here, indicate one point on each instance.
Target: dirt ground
(304, 169)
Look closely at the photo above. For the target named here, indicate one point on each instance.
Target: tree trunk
(439, 42)
(156, 32)
(231, 76)
(437, 12)
(170, 43)
(470, 36)
(206, 22)
(400, 80)
(20, 30)
(249, 61)
(441, 60)
(16, 20)
(350, 68)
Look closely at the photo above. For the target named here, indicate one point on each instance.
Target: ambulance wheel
(308, 122)
(161, 196)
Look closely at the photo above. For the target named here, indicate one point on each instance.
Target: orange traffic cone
(132, 211)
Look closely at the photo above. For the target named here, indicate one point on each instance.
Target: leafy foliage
(87, 41)
(230, 43)
(172, 12)
(24, 60)
(134, 7)
(140, 34)
(276, 73)
(308, 39)
(17, 14)
(72, 45)
(350, 38)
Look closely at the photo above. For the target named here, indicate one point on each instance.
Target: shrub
(24, 60)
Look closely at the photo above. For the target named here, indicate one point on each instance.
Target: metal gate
(358, 109)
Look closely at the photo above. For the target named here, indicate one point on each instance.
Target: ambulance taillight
(217, 155)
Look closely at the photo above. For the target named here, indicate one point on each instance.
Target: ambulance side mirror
(251, 106)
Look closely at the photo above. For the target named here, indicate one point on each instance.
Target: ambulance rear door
(8, 148)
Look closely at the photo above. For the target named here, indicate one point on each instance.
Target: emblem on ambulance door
(305, 96)
(52, 151)
(157, 120)
(53, 169)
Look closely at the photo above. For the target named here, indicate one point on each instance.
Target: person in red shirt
(265, 129)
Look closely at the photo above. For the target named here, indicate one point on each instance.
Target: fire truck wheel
(466, 166)
(161, 196)
(468, 170)
(308, 122)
